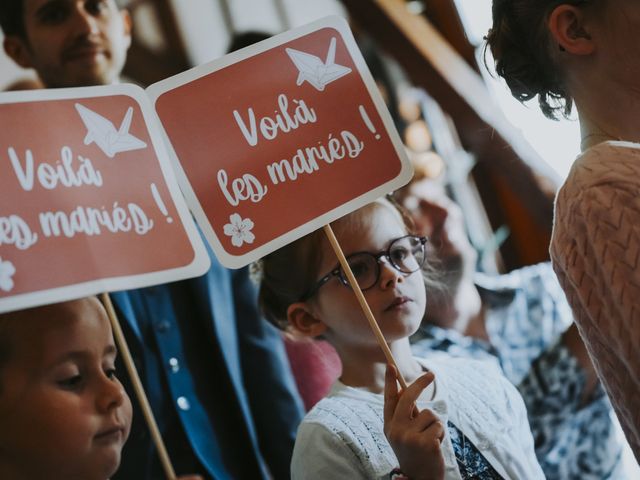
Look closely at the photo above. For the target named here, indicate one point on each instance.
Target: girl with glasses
(468, 420)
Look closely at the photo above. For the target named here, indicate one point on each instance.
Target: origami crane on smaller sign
(314, 70)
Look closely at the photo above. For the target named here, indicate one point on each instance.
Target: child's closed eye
(73, 382)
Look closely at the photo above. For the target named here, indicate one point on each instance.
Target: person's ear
(18, 50)
(303, 321)
(568, 30)
(127, 24)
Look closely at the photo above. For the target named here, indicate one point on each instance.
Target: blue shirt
(217, 379)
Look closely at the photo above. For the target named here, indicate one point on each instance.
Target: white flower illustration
(239, 230)
(7, 270)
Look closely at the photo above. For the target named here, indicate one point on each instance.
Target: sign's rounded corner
(201, 263)
(337, 21)
(231, 261)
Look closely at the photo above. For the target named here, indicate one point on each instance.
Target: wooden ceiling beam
(443, 14)
(433, 64)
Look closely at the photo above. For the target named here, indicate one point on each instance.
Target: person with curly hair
(587, 53)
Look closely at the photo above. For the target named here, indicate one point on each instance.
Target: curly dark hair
(522, 49)
(12, 17)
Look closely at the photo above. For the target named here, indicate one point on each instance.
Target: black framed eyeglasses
(405, 254)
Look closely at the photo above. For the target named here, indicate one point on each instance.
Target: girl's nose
(389, 275)
(111, 394)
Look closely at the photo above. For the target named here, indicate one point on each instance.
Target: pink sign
(279, 139)
(88, 199)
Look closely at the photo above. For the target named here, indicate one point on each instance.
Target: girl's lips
(113, 434)
(397, 302)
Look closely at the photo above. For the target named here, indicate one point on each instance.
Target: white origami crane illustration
(104, 134)
(314, 71)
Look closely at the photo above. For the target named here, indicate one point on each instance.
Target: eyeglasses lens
(365, 269)
(407, 254)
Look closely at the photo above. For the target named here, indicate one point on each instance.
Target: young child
(470, 407)
(63, 412)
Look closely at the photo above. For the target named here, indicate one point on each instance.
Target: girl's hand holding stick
(414, 435)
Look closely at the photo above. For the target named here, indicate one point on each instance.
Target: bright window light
(557, 142)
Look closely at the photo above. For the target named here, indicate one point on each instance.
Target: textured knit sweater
(342, 437)
(595, 250)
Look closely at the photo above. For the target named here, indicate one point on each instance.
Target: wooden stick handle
(123, 348)
(363, 303)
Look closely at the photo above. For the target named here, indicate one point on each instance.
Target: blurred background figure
(521, 321)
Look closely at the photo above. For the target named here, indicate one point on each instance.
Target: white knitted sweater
(342, 436)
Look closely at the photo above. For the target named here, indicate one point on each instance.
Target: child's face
(397, 300)
(63, 412)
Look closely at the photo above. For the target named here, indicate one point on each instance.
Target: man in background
(215, 372)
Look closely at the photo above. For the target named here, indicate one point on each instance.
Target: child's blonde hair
(8, 321)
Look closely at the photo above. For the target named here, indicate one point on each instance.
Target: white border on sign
(405, 174)
(201, 261)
